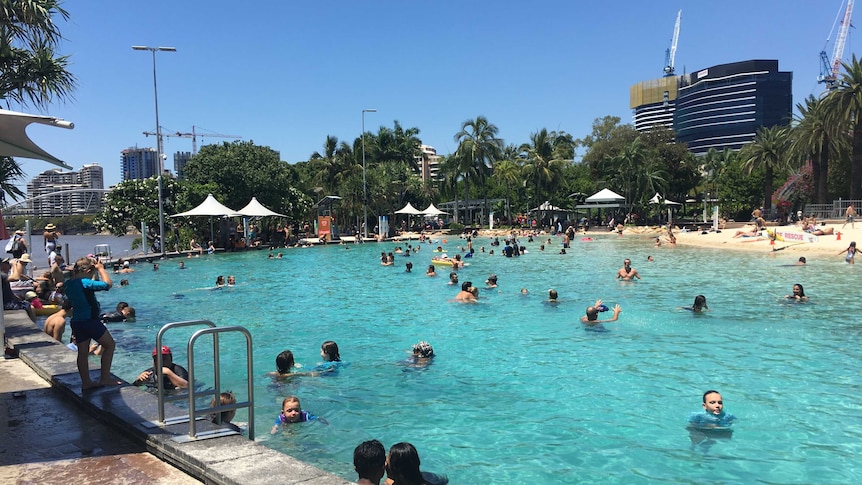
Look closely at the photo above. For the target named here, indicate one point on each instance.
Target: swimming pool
(519, 392)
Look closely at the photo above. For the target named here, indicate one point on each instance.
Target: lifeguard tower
(326, 227)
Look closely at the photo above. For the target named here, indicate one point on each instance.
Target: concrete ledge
(229, 460)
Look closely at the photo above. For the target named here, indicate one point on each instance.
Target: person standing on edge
(85, 322)
(850, 216)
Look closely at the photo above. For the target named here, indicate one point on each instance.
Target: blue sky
(286, 74)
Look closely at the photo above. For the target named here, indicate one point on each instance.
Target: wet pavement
(53, 432)
(46, 440)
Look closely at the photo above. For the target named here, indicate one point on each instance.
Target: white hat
(25, 258)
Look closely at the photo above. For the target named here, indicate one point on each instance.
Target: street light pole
(364, 184)
(159, 154)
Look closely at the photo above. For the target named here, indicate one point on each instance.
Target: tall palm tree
(545, 159)
(845, 111)
(508, 173)
(327, 165)
(768, 151)
(31, 72)
(478, 149)
(10, 175)
(814, 137)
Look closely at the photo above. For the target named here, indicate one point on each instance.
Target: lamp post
(364, 184)
(159, 155)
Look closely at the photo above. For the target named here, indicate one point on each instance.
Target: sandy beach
(791, 239)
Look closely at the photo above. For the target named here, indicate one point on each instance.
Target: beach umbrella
(433, 211)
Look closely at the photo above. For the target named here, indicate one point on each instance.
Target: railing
(192, 394)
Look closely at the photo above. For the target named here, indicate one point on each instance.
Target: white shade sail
(432, 211)
(209, 207)
(256, 209)
(14, 141)
(408, 209)
(605, 195)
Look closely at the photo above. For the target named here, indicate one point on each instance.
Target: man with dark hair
(369, 461)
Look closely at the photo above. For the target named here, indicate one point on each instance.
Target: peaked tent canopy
(432, 211)
(547, 206)
(209, 207)
(605, 195)
(14, 141)
(256, 209)
(408, 209)
(658, 199)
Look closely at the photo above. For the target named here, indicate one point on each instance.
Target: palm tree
(768, 152)
(814, 137)
(478, 149)
(327, 165)
(508, 172)
(31, 73)
(545, 159)
(10, 175)
(845, 110)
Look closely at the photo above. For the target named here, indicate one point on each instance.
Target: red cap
(165, 350)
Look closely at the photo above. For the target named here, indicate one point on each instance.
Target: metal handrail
(158, 369)
(193, 413)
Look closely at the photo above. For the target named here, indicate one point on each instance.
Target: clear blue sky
(286, 73)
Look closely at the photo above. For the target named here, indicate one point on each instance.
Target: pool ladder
(192, 394)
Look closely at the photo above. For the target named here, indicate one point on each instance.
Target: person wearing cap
(10, 300)
(50, 237)
(591, 318)
(56, 252)
(491, 282)
(20, 282)
(33, 299)
(125, 268)
(174, 376)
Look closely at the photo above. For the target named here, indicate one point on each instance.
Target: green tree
(241, 170)
(10, 175)
(135, 201)
(31, 72)
(478, 149)
(329, 164)
(545, 158)
(815, 138)
(845, 111)
(507, 172)
(768, 152)
(608, 138)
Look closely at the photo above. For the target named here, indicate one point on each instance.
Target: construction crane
(193, 135)
(670, 54)
(829, 70)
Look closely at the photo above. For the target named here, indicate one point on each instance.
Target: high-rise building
(654, 102)
(54, 192)
(723, 106)
(139, 163)
(429, 163)
(718, 107)
(180, 161)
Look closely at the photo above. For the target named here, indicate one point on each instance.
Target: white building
(56, 193)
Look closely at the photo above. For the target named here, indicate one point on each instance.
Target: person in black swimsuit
(627, 273)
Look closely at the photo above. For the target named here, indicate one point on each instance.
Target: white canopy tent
(256, 209)
(547, 207)
(433, 211)
(409, 209)
(605, 195)
(209, 207)
(14, 141)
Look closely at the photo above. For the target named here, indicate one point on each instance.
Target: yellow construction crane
(193, 135)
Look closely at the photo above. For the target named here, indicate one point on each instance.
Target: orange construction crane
(193, 135)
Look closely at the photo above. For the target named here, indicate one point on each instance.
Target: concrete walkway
(49, 440)
(52, 428)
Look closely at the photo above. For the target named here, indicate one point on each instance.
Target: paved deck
(54, 433)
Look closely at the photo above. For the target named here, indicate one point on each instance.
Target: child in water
(331, 358)
(713, 415)
(291, 412)
(699, 304)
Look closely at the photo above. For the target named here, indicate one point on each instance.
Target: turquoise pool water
(519, 392)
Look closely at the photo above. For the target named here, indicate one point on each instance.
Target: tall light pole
(364, 185)
(159, 154)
